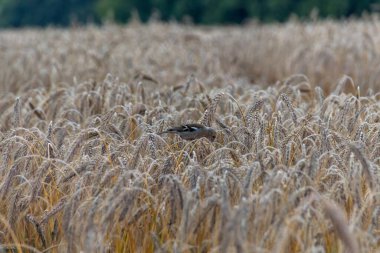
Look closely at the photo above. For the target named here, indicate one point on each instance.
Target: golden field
(294, 168)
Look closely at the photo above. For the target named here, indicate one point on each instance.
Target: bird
(191, 132)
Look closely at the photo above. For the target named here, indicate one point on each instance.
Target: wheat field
(294, 168)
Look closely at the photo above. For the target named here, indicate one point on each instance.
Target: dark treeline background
(18, 13)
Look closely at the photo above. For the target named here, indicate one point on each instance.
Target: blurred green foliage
(18, 13)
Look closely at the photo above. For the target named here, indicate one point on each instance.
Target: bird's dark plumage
(193, 131)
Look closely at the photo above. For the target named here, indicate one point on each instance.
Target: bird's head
(211, 135)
